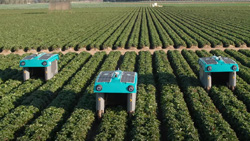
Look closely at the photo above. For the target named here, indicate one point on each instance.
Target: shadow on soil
(34, 13)
(9, 73)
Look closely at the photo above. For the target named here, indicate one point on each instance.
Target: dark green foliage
(209, 121)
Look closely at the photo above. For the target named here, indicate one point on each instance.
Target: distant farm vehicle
(156, 5)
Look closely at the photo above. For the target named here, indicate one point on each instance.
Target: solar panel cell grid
(105, 76)
(209, 60)
(29, 57)
(228, 60)
(46, 56)
(128, 77)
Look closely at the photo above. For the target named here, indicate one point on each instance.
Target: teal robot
(117, 83)
(221, 69)
(42, 64)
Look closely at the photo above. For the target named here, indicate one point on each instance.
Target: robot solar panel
(105, 76)
(29, 57)
(209, 60)
(228, 60)
(128, 77)
(45, 56)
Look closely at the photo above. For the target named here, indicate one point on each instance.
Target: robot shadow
(9, 73)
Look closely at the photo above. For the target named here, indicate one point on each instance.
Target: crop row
(145, 124)
(207, 118)
(233, 110)
(39, 99)
(171, 103)
(218, 33)
(213, 41)
(16, 80)
(244, 60)
(13, 98)
(80, 121)
(143, 39)
(200, 40)
(113, 125)
(121, 27)
(176, 40)
(61, 106)
(222, 17)
(135, 33)
(122, 39)
(114, 121)
(96, 40)
(226, 27)
(9, 85)
(8, 61)
(239, 38)
(153, 35)
(188, 40)
(242, 90)
(58, 33)
(244, 51)
(178, 123)
(109, 33)
(9, 66)
(84, 38)
(10, 77)
(166, 40)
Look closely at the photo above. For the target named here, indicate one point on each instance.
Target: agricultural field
(125, 27)
(171, 103)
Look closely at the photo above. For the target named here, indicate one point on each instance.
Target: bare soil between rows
(123, 51)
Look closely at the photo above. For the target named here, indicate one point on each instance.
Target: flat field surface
(171, 102)
(125, 25)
